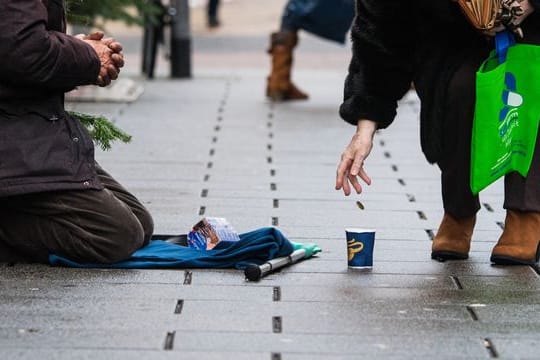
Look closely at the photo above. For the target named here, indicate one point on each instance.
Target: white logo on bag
(509, 114)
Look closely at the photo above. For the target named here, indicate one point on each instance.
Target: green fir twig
(94, 13)
(101, 129)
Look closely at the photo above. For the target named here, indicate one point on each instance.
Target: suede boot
(279, 85)
(453, 239)
(519, 242)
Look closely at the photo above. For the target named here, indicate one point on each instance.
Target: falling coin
(360, 205)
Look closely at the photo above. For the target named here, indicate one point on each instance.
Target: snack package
(208, 232)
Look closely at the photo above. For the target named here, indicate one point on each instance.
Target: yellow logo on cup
(354, 248)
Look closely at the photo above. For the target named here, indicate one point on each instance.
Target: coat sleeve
(380, 71)
(32, 55)
(535, 4)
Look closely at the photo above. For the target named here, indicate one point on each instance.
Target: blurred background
(240, 42)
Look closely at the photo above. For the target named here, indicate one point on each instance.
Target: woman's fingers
(364, 176)
(353, 179)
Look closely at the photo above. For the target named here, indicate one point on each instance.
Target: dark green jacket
(41, 147)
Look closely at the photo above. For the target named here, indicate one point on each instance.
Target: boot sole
(448, 255)
(509, 260)
(281, 97)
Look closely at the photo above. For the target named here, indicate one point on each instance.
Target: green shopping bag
(507, 112)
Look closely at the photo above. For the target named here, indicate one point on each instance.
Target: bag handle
(503, 40)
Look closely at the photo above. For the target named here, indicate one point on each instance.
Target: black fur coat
(396, 42)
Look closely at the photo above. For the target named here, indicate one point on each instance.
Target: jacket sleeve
(380, 71)
(32, 55)
(535, 4)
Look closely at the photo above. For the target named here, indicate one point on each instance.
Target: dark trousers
(212, 9)
(520, 193)
(84, 225)
(289, 21)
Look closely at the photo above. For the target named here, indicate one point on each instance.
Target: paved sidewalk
(213, 146)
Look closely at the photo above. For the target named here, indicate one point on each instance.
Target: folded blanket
(254, 247)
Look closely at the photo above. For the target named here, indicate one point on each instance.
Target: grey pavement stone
(525, 281)
(512, 347)
(372, 346)
(323, 279)
(122, 354)
(349, 296)
(509, 313)
(95, 339)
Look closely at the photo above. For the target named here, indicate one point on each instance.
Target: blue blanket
(254, 247)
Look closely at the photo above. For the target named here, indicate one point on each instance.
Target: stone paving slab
(96, 339)
(373, 346)
(349, 296)
(122, 354)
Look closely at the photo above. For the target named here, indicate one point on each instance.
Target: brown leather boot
(519, 242)
(279, 85)
(453, 239)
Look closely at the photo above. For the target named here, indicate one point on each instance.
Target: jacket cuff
(361, 107)
(94, 67)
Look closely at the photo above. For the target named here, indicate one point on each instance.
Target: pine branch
(87, 12)
(102, 130)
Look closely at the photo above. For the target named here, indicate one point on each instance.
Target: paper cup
(360, 243)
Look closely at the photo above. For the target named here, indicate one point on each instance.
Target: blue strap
(503, 40)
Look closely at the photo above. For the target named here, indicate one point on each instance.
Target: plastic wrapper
(208, 232)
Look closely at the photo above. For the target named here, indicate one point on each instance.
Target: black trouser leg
(524, 193)
(212, 9)
(458, 199)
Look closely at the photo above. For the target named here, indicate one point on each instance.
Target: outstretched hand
(110, 55)
(351, 165)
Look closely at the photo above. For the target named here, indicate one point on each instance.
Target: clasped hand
(110, 55)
